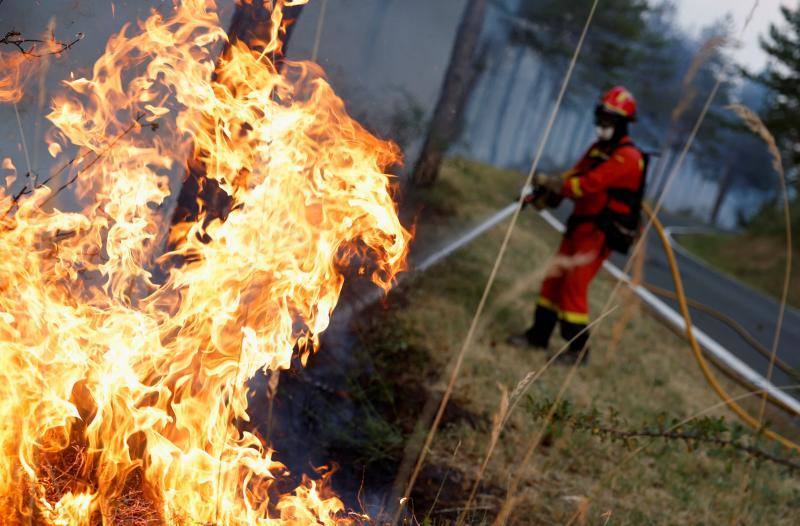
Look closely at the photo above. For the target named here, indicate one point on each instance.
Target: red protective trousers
(564, 293)
(579, 258)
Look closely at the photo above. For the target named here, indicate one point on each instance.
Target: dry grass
(650, 371)
(757, 126)
(753, 121)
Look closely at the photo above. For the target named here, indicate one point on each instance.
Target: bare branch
(30, 46)
(27, 189)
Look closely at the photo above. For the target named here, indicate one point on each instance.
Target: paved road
(752, 309)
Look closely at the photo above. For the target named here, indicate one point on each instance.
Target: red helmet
(619, 100)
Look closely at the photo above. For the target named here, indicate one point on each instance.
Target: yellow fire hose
(741, 331)
(698, 353)
(734, 325)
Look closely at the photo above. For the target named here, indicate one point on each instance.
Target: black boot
(578, 336)
(544, 321)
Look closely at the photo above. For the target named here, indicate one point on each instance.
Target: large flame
(120, 391)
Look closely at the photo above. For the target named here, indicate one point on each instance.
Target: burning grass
(649, 373)
(123, 390)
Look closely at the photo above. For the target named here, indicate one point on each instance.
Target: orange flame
(120, 393)
(21, 59)
(16, 69)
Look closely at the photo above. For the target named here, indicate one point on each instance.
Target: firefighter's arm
(623, 165)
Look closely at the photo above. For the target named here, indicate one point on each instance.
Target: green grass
(755, 257)
(638, 369)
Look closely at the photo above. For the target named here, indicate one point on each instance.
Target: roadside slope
(640, 374)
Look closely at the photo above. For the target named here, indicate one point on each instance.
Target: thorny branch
(722, 443)
(707, 431)
(29, 46)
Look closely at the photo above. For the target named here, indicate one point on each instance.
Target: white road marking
(465, 238)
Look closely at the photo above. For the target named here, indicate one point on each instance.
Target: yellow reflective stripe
(575, 184)
(598, 154)
(546, 303)
(614, 109)
(578, 318)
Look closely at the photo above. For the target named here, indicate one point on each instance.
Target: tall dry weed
(498, 420)
(704, 54)
(757, 126)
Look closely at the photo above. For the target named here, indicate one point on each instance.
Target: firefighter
(607, 186)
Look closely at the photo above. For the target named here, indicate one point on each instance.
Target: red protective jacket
(589, 181)
(583, 247)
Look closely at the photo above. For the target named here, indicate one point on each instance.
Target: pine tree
(782, 76)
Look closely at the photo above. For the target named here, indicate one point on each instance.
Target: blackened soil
(356, 402)
(353, 407)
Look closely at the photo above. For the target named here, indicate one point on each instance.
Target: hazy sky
(694, 14)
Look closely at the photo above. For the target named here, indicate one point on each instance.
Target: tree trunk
(523, 143)
(458, 81)
(533, 131)
(250, 22)
(505, 101)
(483, 99)
(725, 184)
(660, 172)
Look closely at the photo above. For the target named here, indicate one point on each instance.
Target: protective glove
(540, 197)
(551, 182)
